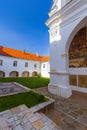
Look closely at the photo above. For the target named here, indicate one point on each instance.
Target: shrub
(39, 97)
(39, 75)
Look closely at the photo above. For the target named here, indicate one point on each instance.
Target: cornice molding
(66, 11)
(59, 72)
(72, 18)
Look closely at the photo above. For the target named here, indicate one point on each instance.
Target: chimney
(37, 54)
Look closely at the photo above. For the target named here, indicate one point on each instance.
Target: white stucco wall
(45, 70)
(8, 67)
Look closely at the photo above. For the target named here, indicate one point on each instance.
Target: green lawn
(31, 82)
(28, 98)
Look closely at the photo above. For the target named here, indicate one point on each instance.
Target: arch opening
(34, 74)
(13, 74)
(2, 74)
(25, 74)
(77, 56)
(80, 25)
(78, 49)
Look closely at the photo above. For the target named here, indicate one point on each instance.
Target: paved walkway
(79, 97)
(69, 114)
(21, 118)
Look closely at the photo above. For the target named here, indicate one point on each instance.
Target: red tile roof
(22, 54)
(45, 58)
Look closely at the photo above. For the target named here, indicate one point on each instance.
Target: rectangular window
(26, 64)
(43, 65)
(1, 62)
(35, 66)
(15, 63)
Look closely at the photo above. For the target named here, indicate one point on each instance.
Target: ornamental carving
(64, 55)
(54, 32)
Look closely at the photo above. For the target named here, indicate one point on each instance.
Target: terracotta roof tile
(45, 58)
(22, 54)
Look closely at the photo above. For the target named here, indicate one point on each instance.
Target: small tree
(39, 75)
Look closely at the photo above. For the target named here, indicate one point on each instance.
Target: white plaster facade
(66, 18)
(45, 69)
(7, 67)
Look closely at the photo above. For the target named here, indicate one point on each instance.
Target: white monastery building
(16, 63)
(68, 47)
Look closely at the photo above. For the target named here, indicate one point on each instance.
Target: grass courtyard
(31, 82)
(28, 98)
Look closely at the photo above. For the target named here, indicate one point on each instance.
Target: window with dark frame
(35, 66)
(15, 63)
(43, 65)
(1, 62)
(26, 64)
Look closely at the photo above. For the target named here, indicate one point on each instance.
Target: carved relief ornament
(54, 34)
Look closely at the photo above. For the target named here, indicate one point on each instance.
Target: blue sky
(22, 25)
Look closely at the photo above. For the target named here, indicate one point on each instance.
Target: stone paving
(21, 118)
(68, 114)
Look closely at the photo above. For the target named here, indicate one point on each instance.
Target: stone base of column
(60, 90)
